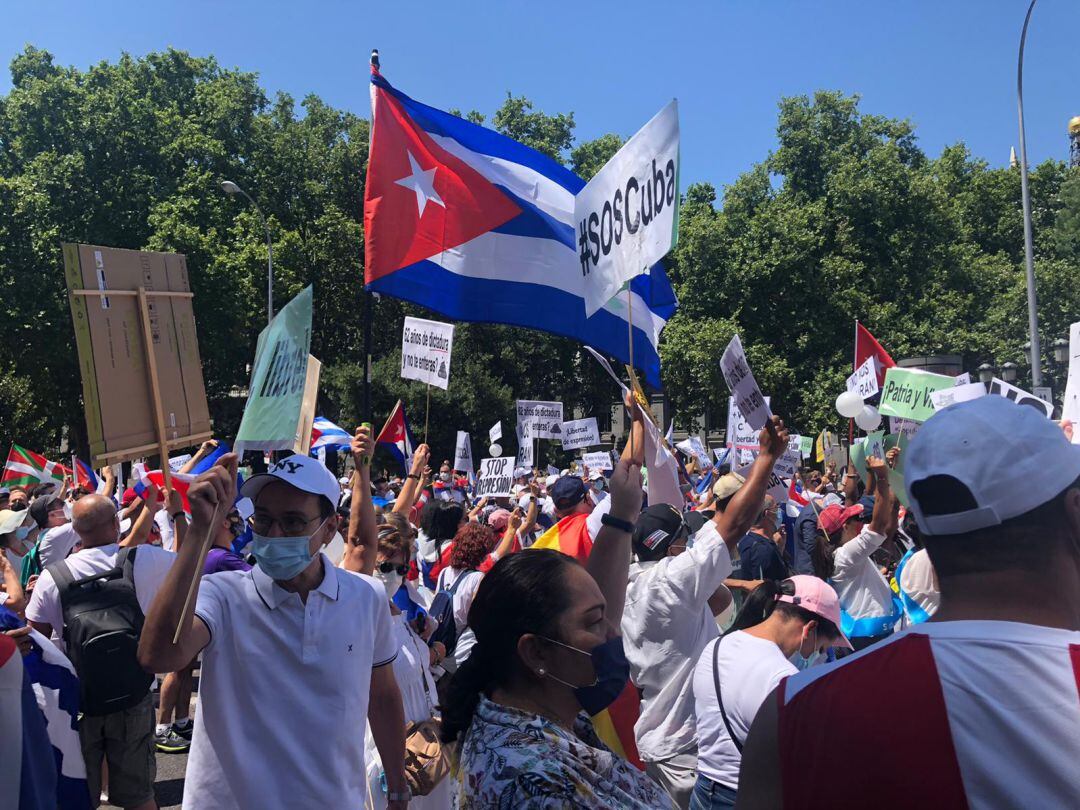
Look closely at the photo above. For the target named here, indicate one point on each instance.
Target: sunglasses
(387, 567)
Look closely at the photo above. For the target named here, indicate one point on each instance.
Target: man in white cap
(295, 652)
(981, 701)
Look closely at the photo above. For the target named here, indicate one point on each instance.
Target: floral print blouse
(511, 759)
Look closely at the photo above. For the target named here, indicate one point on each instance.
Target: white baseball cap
(11, 520)
(1010, 457)
(303, 472)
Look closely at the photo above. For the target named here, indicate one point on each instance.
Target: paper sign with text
(1020, 396)
(744, 388)
(776, 486)
(425, 351)
(958, 393)
(599, 460)
(496, 477)
(578, 433)
(525, 448)
(539, 420)
(740, 434)
(906, 393)
(463, 453)
(495, 433)
(864, 381)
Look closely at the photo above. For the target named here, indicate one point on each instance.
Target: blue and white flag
(325, 433)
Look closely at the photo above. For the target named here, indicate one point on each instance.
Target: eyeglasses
(387, 567)
(291, 525)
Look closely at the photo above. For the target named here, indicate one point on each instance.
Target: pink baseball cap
(498, 519)
(817, 596)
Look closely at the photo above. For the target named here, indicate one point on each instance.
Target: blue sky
(948, 66)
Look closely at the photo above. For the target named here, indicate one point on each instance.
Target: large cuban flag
(478, 227)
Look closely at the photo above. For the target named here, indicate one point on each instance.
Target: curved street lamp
(231, 188)
(1025, 193)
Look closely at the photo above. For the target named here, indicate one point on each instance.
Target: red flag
(866, 345)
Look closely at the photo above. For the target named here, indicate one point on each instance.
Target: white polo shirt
(284, 691)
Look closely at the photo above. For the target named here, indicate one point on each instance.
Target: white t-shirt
(285, 682)
(862, 589)
(463, 599)
(666, 624)
(749, 668)
(919, 582)
(151, 566)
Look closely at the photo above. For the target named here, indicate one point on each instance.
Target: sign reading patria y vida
(425, 351)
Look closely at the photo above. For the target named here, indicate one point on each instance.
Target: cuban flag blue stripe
(534, 223)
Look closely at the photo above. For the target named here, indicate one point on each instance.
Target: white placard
(864, 381)
(578, 433)
(495, 433)
(463, 453)
(963, 379)
(788, 464)
(600, 460)
(525, 448)
(1020, 396)
(740, 434)
(958, 393)
(900, 425)
(177, 462)
(539, 420)
(776, 486)
(1070, 405)
(496, 477)
(425, 351)
(627, 214)
(744, 388)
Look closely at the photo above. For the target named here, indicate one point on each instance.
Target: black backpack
(102, 624)
(442, 610)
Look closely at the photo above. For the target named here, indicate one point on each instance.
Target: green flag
(277, 379)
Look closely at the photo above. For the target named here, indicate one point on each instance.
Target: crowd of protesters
(385, 641)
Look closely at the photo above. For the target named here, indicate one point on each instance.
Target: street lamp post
(1025, 192)
(229, 187)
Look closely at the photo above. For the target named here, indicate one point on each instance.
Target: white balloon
(868, 418)
(495, 450)
(849, 404)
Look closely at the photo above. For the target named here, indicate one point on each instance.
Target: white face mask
(390, 581)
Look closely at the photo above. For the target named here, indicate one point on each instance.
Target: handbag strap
(719, 699)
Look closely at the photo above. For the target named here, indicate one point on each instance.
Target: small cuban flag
(325, 434)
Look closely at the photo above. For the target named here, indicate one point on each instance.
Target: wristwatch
(617, 523)
(413, 475)
(403, 796)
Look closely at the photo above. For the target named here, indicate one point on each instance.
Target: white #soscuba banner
(627, 214)
(425, 351)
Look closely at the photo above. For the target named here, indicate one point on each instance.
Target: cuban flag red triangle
(432, 200)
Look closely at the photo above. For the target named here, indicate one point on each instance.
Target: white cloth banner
(578, 433)
(627, 214)
(496, 477)
(744, 388)
(864, 381)
(463, 453)
(1070, 406)
(495, 433)
(663, 470)
(539, 420)
(600, 460)
(425, 351)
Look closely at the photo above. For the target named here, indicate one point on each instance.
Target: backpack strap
(452, 590)
(719, 699)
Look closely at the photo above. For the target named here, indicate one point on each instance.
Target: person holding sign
(292, 633)
(869, 609)
(668, 621)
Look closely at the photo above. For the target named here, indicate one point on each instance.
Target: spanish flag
(614, 725)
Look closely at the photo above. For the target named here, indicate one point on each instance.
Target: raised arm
(534, 509)
(205, 449)
(745, 505)
(474, 513)
(140, 531)
(506, 542)
(609, 560)
(211, 496)
(637, 431)
(110, 482)
(362, 544)
(179, 519)
(10, 577)
(410, 490)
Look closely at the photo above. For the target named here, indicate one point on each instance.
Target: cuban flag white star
(423, 183)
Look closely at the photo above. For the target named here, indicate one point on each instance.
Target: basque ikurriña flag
(479, 227)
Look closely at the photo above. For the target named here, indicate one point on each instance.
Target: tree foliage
(847, 218)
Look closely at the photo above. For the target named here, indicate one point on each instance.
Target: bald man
(125, 737)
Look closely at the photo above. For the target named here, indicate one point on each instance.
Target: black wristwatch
(413, 475)
(617, 523)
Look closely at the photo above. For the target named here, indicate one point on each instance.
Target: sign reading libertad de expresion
(425, 351)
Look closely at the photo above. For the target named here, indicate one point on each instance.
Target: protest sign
(875, 444)
(463, 453)
(806, 445)
(744, 388)
(857, 455)
(525, 447)
(495, 433)
(962, 379)
(176, 462)
(958, 393)
(425, 351)
(740, 434)
(599, 460)
(662, 468)
(579, 433)
(907, 391)
(693, 447)
(278, 380)
(788, 464)
(541, 420)
(1020, 396)
(627, 214)
(138, 353)
(496, 477)
(864, 381)
(1070, 404)
(908, 427)
(775, 486)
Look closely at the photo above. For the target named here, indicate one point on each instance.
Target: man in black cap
(668, 619)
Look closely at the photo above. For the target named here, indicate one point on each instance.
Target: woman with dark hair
(547, 647)
(782, 628)
(439, 523)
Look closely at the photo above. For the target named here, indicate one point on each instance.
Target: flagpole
(854, 367)
(427, 412)
(630, 345)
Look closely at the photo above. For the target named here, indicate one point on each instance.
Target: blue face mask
(282, 557)
(800, 661)
(612, 672)
(23, 532)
